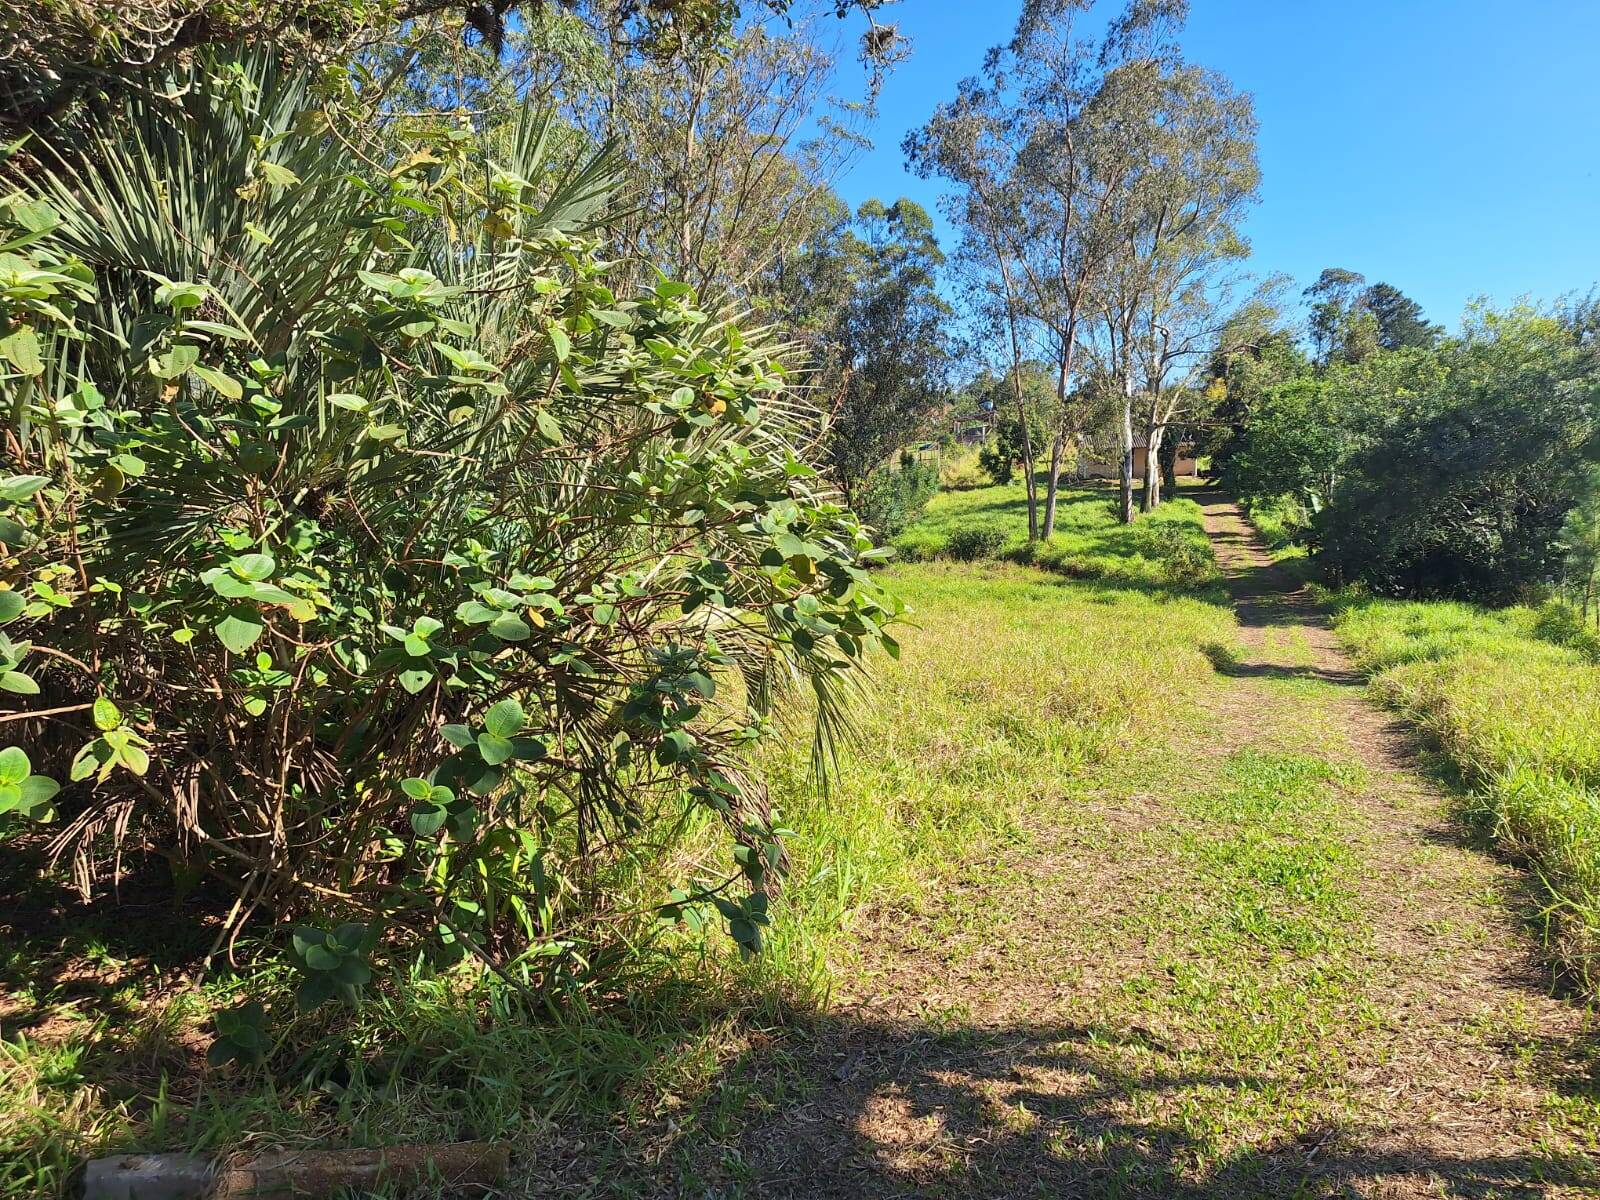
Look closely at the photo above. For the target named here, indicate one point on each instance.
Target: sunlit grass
(1012, 684)
(1519, 717)
(1164, 548)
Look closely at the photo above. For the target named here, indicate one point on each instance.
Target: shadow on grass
(899, 1109)
(58, 952)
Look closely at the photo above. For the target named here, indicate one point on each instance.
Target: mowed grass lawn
(1517, 713)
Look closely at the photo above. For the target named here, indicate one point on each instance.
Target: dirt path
(1265, 963)
(1452, 947)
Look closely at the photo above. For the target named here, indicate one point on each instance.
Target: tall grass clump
(1011, 686)
(1518, 715)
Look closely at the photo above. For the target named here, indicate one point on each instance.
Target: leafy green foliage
(1471, 461)
(890, 340)
(892, 497)
(999, 457)
(1445, 471)
(383, 560)
(975, 541)
(22, 793)
(242, 1035)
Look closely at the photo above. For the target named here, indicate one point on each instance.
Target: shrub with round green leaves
(366, 552)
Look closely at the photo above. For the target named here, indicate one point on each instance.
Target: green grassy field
(1037, 841)
(1168, 547)
(1518, 716)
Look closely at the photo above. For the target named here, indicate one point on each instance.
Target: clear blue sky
(1449, 147)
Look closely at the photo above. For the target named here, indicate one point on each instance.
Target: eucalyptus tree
(1017, 143)
(732, 151)
(890, 341)
(1335, 301)
(966, 143)
(1182, 142)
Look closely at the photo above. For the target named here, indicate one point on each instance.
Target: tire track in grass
(1476, 1073)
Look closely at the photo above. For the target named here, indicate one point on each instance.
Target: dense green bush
(973, 542)
(999, 459)
(1443, 470)
(892, 497)
(1281, 520)
(1185, 559)
(368, 555)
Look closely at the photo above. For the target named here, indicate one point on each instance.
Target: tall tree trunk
(1127, 444)
(1030, 481)
(1052, 486)
(1151, 496)
(1069, 346)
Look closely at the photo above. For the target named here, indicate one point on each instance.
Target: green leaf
(495, 750)
(37, 792)
(458, 736)
(505, 719)
(316, 991)
(475, 612)
(417, 789)
(106, 714)
(225, 384)
(240, 629)
(14, 765)
(134, 759)
(20, 487)
(12, 534)
(175, 362)
(560, 343)
(18, 683)
(549, 427)
(415, 681)
(88, 760)
(254, 567)
(11, 606)
(509, 627)
(276, 174)
(320, 958)
(21, 350)
(428, 821)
